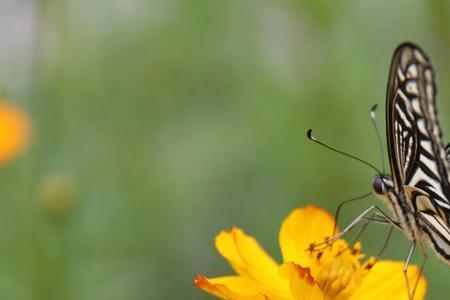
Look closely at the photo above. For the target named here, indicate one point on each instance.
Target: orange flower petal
(14, 131)
(249, 260)
(302, 227)
(261, 278)
(302, 284)
(386, 281)
(230, 287)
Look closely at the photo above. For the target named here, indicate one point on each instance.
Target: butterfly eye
(378, 185)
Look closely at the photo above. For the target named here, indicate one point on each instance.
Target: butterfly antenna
(377, 131)
(309, 135)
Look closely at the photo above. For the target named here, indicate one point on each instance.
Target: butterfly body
(418, 192)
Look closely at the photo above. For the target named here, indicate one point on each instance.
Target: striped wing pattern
(419, 161)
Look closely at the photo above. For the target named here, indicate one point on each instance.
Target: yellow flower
(336, 272)
(14, 131)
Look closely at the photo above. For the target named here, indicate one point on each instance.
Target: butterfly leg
(336, 214)
(329, 241)
(356, 237)
(355, 222)
(361, 230)
(386, 241)
(405, 268)
(425, 256)
(380, 219)
(383, 219)
(375, 220)
(363, 216)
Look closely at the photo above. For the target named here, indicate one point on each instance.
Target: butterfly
(418, 191)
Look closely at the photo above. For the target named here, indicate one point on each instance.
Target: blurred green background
(159, 123)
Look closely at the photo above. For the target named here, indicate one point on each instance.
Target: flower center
(339, 270)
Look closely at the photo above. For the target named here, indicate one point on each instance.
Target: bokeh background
(156, 124)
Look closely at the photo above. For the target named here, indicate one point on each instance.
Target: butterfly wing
(401, 132)
(419, 164)
(416, 151)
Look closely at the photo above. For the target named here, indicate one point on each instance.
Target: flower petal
(249, 260)
(302, 227)
(302, 284)
(230, 287)
(386, 281)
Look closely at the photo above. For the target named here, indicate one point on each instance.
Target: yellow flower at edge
(337, 272)
(14, 131)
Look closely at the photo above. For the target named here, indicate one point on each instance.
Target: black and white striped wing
(419, 164)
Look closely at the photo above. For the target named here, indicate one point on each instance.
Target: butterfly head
(382, 184)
